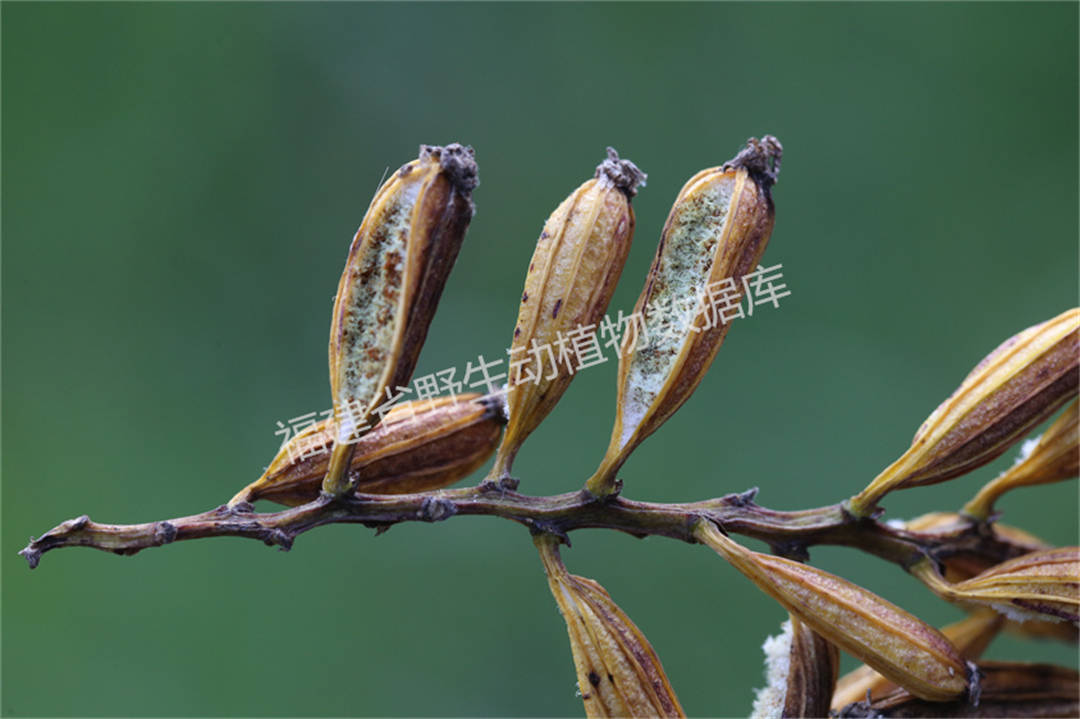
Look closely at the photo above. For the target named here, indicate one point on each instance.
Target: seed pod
(970, 636)
(395, 272)
(801, 670)
(572, 274)
(1010, 541)
(1016, 387)
(902, 648)
(419, 446)
(619, 674)
(716, 232)
(1050, 458)
(1008, 689)
(1039, 585)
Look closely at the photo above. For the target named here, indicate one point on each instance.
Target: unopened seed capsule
(619, 674)
(397, 266)
(801, 668)
(904, 649)
(572, 274)
(419, 446)
(1012, 390)
(715, 234)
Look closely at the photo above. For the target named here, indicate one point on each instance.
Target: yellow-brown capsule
(1050, 458)
(419, 446)
(970, 636)
(715, 234)
(396, 269)
(1012, 390)
(1040, 585)
(901, 647)
(571, 277)
(619, 674)
(801, 669)
(1007, 689)
(964, 565)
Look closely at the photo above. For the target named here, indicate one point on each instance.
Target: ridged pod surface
(419, 446)
(1017, 386)
(571, 277)
(619, 674)
(395, 272)
(901, 647)
(717, 229)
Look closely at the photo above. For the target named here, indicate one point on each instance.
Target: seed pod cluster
(902, 648)
(619, 674)
(571, 277)
(395, 272)
(1017, 386)
(1040, 585)
(419, 446)
(715, 234)
(1053, 457)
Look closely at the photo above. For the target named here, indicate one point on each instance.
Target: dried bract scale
(964, 565)
(1016, 387)
(801, 669)
(419, 446)
(970, 636)
(1039, 585)
(715, 234)
(1008, 689)
(901, 647)
(1050, 458)
(395, 272)
(619, 674)
(571, 277)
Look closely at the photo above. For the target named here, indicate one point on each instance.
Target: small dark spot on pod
(611, 678)
(555, 311)
(524, 296)
(594, 679)
(405, 170)
(544, 235)
(517, 332)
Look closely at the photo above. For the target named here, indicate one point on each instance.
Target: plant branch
(788, 533)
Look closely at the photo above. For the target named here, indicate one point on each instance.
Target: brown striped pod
(801, 668)
(901, 647)
(1017, 386)
(395, 272)
(571, 277)
(716, 232)
(419, 446)
(619, 674)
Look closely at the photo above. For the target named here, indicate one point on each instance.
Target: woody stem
(788, 533)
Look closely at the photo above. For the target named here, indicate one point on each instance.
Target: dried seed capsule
(970, 636)
(1008, 689)
(619, 674)
(419, 446)
(801, 669)
(395, 272)
(716, 233)
(1016, 387)
(1050, 458)
(902, 648)
(1039, 585)
(1013, 542)
(572, 274)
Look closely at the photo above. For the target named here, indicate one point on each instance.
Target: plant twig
(788, 533)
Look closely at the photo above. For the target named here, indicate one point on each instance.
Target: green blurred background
(181, 182)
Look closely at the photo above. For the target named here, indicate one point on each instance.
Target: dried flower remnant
(1008, 689)
(395, 272)
(902, 648)
(619, 674)
(715, 234)
(571, 277)
(1050, 458)
(801, 669)
(419, 446)
(970, 636)
(1039, 585)
(1017, 386)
